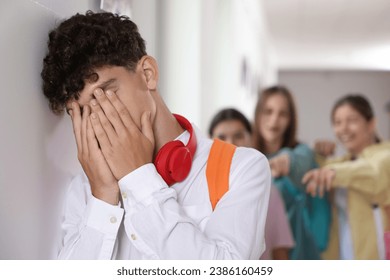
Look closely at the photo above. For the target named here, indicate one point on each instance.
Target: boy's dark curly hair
(82, 44)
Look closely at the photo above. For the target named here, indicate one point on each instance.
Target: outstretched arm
(368, 176)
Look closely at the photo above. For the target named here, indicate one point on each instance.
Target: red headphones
(173, 161)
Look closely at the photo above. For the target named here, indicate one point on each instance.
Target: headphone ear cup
(179, 163)
(173, 161)
(164, 158)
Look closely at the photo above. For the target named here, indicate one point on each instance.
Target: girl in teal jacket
(275, 136)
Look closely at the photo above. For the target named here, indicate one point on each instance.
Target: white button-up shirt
(154, 221)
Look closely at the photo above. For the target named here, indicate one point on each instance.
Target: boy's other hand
(104, 185)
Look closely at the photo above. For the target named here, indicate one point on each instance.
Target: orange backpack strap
(218, 169)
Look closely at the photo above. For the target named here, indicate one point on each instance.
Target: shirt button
(133, 236)
(113, 220)
(124, 195)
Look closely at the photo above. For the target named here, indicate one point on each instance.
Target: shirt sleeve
(158, 227)
(368, 175)
(89, 225)
(301, 161)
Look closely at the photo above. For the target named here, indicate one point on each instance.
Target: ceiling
(330, 34)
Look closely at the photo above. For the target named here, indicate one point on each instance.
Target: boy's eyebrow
(106, 83)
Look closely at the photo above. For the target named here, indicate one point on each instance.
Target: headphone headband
(184, 123)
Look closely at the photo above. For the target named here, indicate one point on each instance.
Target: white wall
(316, 91)
(234, 34)
(179, 63)
(146, 16)
(37, 151)
(65, 9)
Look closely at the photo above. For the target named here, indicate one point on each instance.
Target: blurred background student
(359, 181)
(233, 127)
(275, 135)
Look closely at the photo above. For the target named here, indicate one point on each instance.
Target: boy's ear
(150, 71)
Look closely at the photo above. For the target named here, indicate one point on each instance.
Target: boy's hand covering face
(103, 183)
(124, 146)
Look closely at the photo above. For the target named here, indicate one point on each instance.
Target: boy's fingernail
(98, 91)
